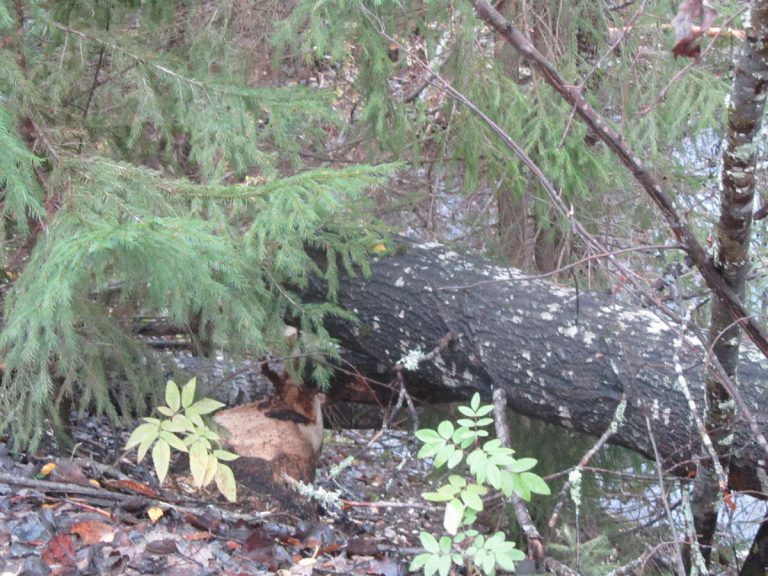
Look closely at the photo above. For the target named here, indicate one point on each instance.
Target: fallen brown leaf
(93, 532)
(59, 550)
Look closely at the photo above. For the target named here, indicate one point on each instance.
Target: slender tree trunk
(745, 114)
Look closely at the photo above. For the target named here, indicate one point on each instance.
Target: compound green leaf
(161, 457)
(419, 561)
(225, 455)
(144, 446)
(522, 465)
(429, 542)
(535, 483)
(188, 393)
(225, 482)
(204, 406)
(141, 433)
(454, 514)
(445, 429)
(198, 462)
(173, 441)
(172, 396)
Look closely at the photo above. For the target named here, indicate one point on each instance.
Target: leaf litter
(100, 513)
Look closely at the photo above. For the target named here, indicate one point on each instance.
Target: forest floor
(98, 512)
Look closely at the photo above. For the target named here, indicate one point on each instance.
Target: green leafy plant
(487, 465)
(185, 430)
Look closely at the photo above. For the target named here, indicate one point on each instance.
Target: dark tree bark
(562, 357)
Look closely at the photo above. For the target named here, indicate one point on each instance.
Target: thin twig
(61, 487)
(609, 432)
(536, 548)
(665, 502)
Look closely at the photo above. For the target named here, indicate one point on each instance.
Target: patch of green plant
(487, 465)
(185, 430)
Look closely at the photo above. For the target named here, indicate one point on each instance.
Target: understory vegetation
(144, 177)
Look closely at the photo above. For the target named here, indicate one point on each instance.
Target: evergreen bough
(142, 175)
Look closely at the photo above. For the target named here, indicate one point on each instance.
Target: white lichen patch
(554, 307)
(589, 337)
(727, 406)
(569, 331)
(744, 152)
(400, 282)
(618, 416)
(653, 325)
(608, 311)
(547, 316)
(401, 315)
(727, 441)
(411, 360)
(516, 320)
(562, 294)
(526, 354)
(564, 413)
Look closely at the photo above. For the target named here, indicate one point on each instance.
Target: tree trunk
(562, 357)
(745, 115)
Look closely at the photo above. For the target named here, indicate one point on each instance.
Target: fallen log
(563, 357)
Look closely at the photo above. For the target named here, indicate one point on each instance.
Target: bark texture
(745, 115)
(561, 357)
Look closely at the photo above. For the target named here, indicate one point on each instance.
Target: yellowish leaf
(155, 513)
(225, 482)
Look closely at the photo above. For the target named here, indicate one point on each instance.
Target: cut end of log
(283, 434)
